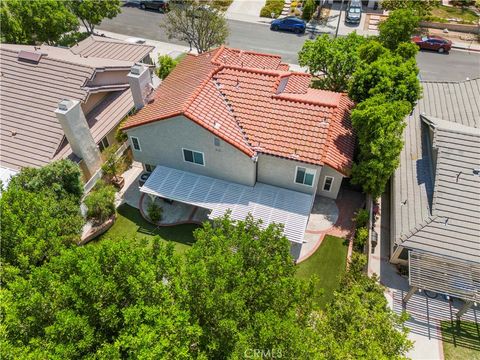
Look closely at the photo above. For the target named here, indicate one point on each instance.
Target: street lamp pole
(339, 17)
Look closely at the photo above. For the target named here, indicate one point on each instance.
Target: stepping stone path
(286, 8)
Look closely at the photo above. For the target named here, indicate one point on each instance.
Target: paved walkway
(330, 217)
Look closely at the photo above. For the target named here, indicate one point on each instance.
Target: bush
(120, 135)
(72, 38)
(165, 65)
(308, 10)
(462, 2)
(361, 218)
(100, 203)
(221, 5)
(361, 237)
(272, 6)
(155, 212)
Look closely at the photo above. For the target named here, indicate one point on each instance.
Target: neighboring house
(64, 103)
(243, 132)
(435, 223)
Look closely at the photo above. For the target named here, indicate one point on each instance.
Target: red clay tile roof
(255, 103)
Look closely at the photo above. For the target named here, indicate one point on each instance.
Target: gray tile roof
(102, 47)
(30, 91)
(432, 210)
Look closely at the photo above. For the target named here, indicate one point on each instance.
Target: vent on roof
(29, 56)
(476, 172)
(282, 85)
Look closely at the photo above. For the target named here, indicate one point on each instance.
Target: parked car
(435, 43)
(290, 23)
(159, 5)
(353, 14)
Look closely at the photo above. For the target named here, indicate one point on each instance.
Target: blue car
(290, 23)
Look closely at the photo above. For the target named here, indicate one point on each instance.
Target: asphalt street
(455, 66)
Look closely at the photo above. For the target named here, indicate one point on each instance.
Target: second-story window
(305, 176)
(194, 157)
(135, 143)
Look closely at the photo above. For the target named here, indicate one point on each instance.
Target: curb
(458, 47)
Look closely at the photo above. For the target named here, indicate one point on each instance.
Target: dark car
(353, 14)
(159, 5)
(291, 23)
(435, 43)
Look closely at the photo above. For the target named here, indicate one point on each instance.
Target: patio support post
(464, 309)
(412, 291)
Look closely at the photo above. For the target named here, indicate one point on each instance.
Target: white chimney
(139, 79)
(71, 118)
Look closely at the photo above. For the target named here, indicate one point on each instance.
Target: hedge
(272, 6)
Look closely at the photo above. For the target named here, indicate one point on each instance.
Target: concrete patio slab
(324, 214)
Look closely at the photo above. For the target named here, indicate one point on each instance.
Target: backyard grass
(328, 264)
(131, 224)
(461, 341)
(442, 13)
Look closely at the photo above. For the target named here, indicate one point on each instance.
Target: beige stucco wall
(92, 101)
(111, 77)
(161, 143)
(337, 182)
(281, 172)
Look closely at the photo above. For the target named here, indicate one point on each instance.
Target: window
(305, 176)
(194, 157)
(135, 143)
(103, 144)
(216, 141)
(149, 168)
(327, 184)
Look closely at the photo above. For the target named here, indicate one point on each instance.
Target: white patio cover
(269, 203)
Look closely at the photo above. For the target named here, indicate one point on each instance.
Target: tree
(379, 125)
(398, 27)
(421, 7)
(62, 177)
(165, 65)
(200, 26)
(333, 61)
(36, 226)
(358, 324)
(389, 75)
(39, 21)
(241, 290)
(100, 203)
(308, 10)
(110, 301)
(92, 12)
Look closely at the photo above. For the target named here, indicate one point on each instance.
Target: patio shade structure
(444, 275)
(269, 203)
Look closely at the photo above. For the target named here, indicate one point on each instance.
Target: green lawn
(442, 13)
(461, 341)
(328, 263)
(130, 224)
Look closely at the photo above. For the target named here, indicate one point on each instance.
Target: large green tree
(39, 21)
(92, 12)
(391, 74)
(241, 290)
(114, 300)
(62, 177)
(332, 61)
(398, 27)
(379, 123)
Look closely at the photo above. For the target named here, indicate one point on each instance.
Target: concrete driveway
(245, 10)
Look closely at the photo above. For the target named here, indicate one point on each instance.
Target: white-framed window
(327, 183)
(103, 144)
(135, 143)
(305, 176)
(194, 157)
(149, 168)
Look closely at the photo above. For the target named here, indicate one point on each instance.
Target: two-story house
(232, 129)
(60, 103)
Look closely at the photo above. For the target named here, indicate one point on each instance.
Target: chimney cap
(64, 105)
(136, 69)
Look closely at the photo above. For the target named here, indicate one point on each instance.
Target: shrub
(165, 65)
(111, 166)
(72, 38)
(361, 218)
(100, 203)
(308, 10)
(120, 135)
(221, 5)
(361, 237)
(155, 212)
(272, 6)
